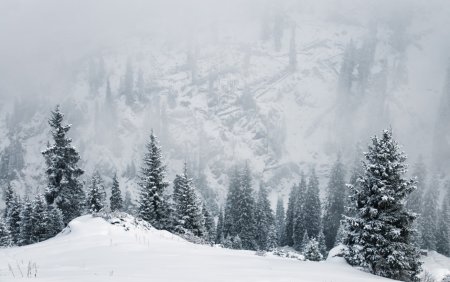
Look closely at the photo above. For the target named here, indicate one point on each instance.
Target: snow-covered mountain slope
(92, 249)
(222, 95)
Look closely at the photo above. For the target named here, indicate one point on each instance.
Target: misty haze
(225, 140)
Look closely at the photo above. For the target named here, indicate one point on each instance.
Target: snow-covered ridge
(97, 250)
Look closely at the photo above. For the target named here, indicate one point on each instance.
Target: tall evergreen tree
(290, 215)
(280, 222)
(13, 219)
(312, 206)
(334, 207)
(219, 228)
(116, 202)
(188, 211)
(5, 234)
(231, 215)
(62, 158)
(26, 224)
(40, 220)
(96, 194)
(152, 185)
(300, 214)
(9, 198)
(379, 235)
(56, 221)
(209, 224)
(246, 206)
(264, 220)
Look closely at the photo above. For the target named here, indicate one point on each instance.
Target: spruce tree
(231, 215)
(379, 235)
(322, 244)
(26, 224)
(264, 220)
(300, 214)
(210, 229)
(334, 207)
(40, 220)
(280, 223)
(246, 216)
(290, 215)
(116, 202)
(153, 185)
(96, 194)
(13, 219)
(188, 211)
(62, 171)
(9, 198)
(56, 221)
(128, 205)
(312, 206)
(219, 228)
(5, 234)
(312, 251)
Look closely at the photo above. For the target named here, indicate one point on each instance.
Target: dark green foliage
(312, 207)
(264, 220)
(290, 215)
(379, 236)
(300, 214)
(335, 202)
(209, 224)
(62, 171)
(96, 194)
(280, 224)
(188, 212)
(151, 206)
(116, 202)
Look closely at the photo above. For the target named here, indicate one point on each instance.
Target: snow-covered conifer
(5, 234)
(116, 202)
(219, 229)
(280, 222)
(96, 194)
(379, 236)
(312, 207)
(334, 206)
(62, 171)
(40, 219)
(264, 220)
(312, 251)
(153, 186)
(26, 224)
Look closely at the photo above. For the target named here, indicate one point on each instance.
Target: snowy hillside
(91, 249)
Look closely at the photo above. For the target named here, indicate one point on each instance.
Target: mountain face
(285, 91)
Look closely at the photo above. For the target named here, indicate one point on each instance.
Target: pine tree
(188, 211)
(13, 219)
(210, 233)
(290, 215)
(443, 228)
(40, 220)
(26, 224)
(428, 218)
(280, 223)
(312, 251)
(230, 226)
(312, 206)
(322, 244)
(300, 214)
(246, 206)
(96, 194)
(9, 198)
(219, 229)
(61, 158)
(335, 203)
(56, 221)
(152, 185)
(116, 202)
(264, 220)
(379, 235)
(5, 234)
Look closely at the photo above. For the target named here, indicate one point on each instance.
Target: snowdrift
(95, 249)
